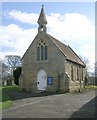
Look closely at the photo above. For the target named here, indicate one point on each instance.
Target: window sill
(41, 61)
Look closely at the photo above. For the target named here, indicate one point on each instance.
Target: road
(53, 106)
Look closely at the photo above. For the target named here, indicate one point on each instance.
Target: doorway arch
(41, 80)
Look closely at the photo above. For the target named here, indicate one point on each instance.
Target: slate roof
(42, 17)
(67, 51)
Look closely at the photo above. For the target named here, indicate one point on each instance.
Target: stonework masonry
(62, 65)
(55, 66)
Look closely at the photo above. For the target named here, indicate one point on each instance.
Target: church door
(41, 80)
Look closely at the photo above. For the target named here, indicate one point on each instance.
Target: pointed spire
(42, 20)
(42, 17)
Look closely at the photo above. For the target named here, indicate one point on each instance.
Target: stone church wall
(76, 74)
(65, 75)
(53, 66)
(56, 66)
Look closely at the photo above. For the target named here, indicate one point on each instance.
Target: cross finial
(42, 6)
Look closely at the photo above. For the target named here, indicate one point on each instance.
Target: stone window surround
(42, 50)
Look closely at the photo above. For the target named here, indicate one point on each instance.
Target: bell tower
(42, 21)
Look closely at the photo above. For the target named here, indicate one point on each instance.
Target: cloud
(73, 28)
(17, 38)
(76, 30)
(24, 17)
(69, 27)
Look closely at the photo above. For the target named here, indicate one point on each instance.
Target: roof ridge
(76, 54)
(56, 44)
(58, 40)
(67, 51)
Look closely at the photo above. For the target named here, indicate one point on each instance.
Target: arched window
(45, 52)
(77, 73)
(38, 53)
(41, 50)
(71, 72)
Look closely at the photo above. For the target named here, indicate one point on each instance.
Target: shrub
(16, 74)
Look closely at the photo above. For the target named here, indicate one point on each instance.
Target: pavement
(68, 105)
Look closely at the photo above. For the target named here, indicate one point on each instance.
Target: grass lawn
(92, 86)
(5, 100)
(86, 88)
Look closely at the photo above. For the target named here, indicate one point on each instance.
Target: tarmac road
(53, 106)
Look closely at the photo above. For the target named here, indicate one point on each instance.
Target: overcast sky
(71, 22)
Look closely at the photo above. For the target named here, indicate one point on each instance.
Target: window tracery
(41, 50)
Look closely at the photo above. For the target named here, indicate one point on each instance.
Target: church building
(50, 65)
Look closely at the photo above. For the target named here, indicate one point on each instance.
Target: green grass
(91, 86)
(10, 88)
(84, 89)
(5, 100)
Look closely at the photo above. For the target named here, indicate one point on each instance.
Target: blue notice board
(50, 80)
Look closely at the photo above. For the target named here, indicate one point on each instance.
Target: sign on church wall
(50, 80)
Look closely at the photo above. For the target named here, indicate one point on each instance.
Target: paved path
(53, 106)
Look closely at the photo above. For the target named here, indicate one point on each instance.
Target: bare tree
(96, 68)
(95, 73)
(86, 61)
(5, 75)
(13, 61)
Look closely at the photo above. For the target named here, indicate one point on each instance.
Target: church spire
(42, 20)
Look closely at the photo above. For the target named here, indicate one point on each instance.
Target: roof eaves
(75, 62)
(77, 56)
